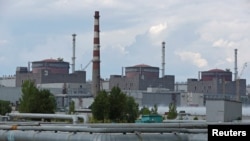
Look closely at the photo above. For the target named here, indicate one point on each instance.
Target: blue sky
(200, 34)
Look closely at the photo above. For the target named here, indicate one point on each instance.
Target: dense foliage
(145, 111)
(4, 107)
(115, 106)
(34, 100)
(101, 106)
(172, 113)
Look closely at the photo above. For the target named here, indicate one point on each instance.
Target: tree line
(114, 106)
(34, 100)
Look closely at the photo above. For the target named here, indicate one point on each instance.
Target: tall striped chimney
(96, 57)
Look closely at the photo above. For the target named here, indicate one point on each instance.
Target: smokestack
(236, 68)
(163, 59)
(96, 57)
(73, 57)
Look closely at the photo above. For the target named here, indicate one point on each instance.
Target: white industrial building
(223, 110)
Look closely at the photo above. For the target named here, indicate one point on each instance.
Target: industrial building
(140, 77)
(223, 110)
(144, 84)
(49, 71)
(217, 82)
(154, 96)
(192, 99)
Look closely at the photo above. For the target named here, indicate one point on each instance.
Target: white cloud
(229, 59)
(193, 57)
(157, 33)
(156, 29)
(223, 43)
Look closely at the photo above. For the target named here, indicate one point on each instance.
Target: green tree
(114, 106)
(28, 101)
(154, 110)
(34, 100)
(117, 101)
(4, 107)
(131, 110)
(145, 111)
(172, 113)
(101, 106)
(47, 102)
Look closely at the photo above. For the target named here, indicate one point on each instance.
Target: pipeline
(150, 125)
(20, 123)
(102, 130)
(17, 135)
(74, 118)
(194, 125)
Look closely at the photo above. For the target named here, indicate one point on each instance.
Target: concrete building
(192, 99)
(217, 82)
(150, 99)
(140, 77)
(154, 96)
(49, 71)
(11, 94)
(223, 110)
(181, 86)
(73, 91)
(8, 81)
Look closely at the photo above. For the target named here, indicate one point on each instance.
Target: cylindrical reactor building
(52, 65)
(143, 70)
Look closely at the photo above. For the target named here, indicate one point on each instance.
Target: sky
(200, 35)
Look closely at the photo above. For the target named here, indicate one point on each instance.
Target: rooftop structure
(50, 65)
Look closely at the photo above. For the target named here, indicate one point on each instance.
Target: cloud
(156, 29)
(192, 57)
(223, 43)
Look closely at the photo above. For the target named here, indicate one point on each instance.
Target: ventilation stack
(73, 57)
(235, 67)
(96, 57)
(163, 59)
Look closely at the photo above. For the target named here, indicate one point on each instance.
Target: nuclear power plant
(148, 84)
